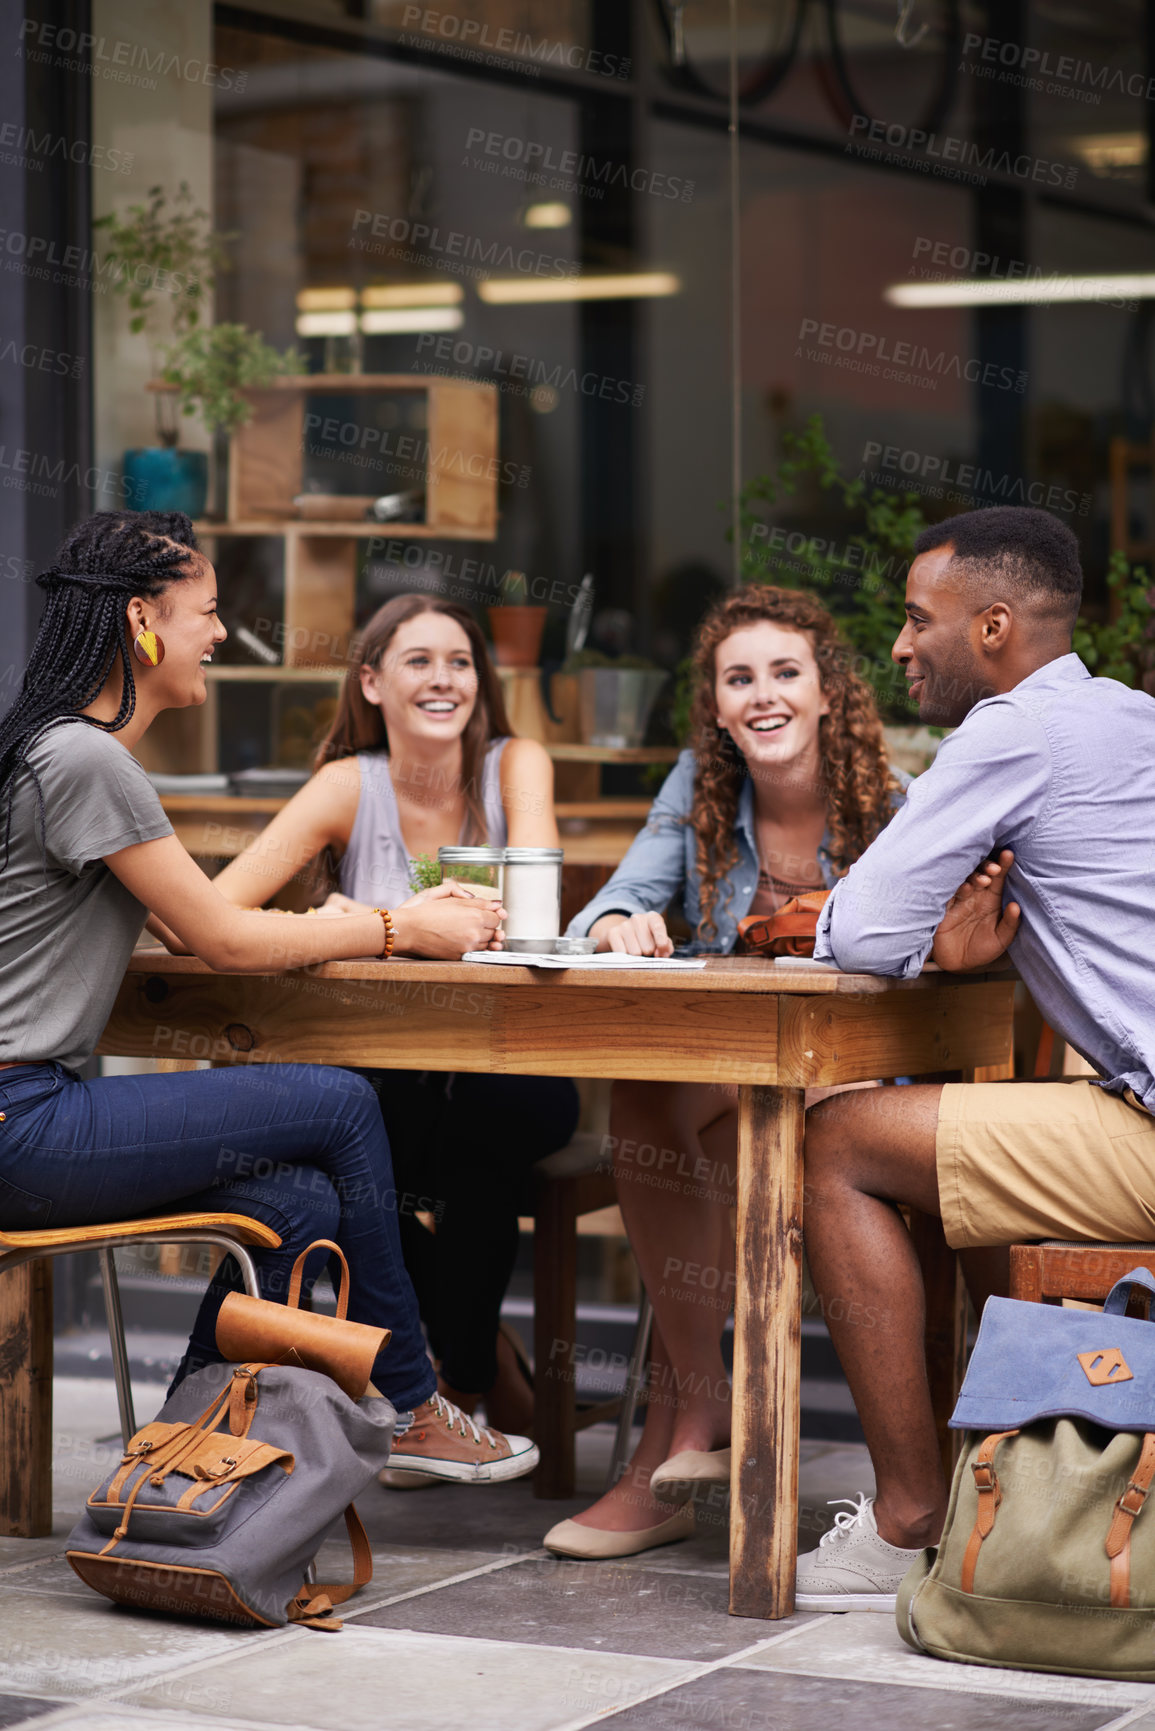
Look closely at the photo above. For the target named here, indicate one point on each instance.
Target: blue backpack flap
(1036, 1361)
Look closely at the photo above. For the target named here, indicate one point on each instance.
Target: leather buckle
(1141, 1493)
(990, 1483)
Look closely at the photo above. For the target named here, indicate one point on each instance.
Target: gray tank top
(375, 867)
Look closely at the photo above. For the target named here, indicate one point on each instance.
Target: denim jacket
(662, 864)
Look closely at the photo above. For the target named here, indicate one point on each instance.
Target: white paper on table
(608, 961)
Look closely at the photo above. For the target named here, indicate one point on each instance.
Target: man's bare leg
(866, 1153)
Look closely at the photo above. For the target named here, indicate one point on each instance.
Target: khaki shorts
(1021, 1160)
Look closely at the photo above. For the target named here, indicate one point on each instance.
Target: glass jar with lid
(532, 896)
(480, 869)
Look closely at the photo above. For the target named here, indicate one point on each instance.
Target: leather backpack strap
(316, 1599)
(243, 1397)
(1129, 1505)
(240, 1397)
(295, 1279)
(990, 1499)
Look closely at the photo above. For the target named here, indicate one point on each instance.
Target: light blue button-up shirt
(1062, 770)
(662, 863)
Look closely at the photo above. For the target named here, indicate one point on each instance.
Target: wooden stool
(26, 1305)
(1047, 1273)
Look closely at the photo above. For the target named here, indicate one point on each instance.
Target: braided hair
(107, 559)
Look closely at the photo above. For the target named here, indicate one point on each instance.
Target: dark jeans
(298, 1146)
(462, 1149)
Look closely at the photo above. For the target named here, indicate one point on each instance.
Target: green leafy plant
(1121, 648)
(683, 699)
(424, 872)
(860, 574)
(163, 252)
(212, 368)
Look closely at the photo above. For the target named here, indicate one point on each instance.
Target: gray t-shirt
(67, 925)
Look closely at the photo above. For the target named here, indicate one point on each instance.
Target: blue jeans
(299, 1146)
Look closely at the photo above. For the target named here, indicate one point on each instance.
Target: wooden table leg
(767, 1353)
(26, 1401)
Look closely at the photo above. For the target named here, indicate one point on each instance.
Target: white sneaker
(853, 1569)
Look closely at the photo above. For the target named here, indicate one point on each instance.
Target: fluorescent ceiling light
(326, 324)
(326, 300)
(556, 215)
(521, 291)
(394, 321)
(1112, 149)
(412, 294)
(1037, 291)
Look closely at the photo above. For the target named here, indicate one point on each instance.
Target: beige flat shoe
(688, 1474)
(568, 1539)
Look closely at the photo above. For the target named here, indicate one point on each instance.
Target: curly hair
(856, 776)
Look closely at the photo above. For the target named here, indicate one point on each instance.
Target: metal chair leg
(635, 1372)
(120, 1369)
(248, 1270)
(240, 1255)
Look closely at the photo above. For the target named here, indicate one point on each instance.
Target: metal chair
(232, 1232)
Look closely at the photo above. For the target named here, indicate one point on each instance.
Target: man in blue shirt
(1031, 838)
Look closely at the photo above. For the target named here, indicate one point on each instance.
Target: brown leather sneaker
(445, 1443)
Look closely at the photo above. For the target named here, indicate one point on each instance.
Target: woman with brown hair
(785, 784)
(419, 757)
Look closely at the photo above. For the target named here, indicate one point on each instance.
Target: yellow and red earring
(148, 648)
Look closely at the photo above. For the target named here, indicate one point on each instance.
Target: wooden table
(772, 1031)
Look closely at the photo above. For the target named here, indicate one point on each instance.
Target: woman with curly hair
(785, 784)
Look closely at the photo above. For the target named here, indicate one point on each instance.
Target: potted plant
(162, 257)
(616, 696)
(515, 626)
(209, 370)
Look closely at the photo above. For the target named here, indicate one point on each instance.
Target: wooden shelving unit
(594, 832)
(455, 460)
(456, 454)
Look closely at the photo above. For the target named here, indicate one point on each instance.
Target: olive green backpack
(1047, 1559)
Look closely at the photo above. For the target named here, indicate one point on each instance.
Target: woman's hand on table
(639, 935)
(445, 921)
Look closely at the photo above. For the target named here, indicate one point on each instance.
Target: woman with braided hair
(785, 784)
(86, 856)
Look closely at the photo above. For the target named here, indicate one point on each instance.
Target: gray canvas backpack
(218, 1506)
(1047, 1559)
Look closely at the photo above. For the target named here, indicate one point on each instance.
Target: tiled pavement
(469, 1624)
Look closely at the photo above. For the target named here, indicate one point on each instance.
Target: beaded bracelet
(389, 932)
